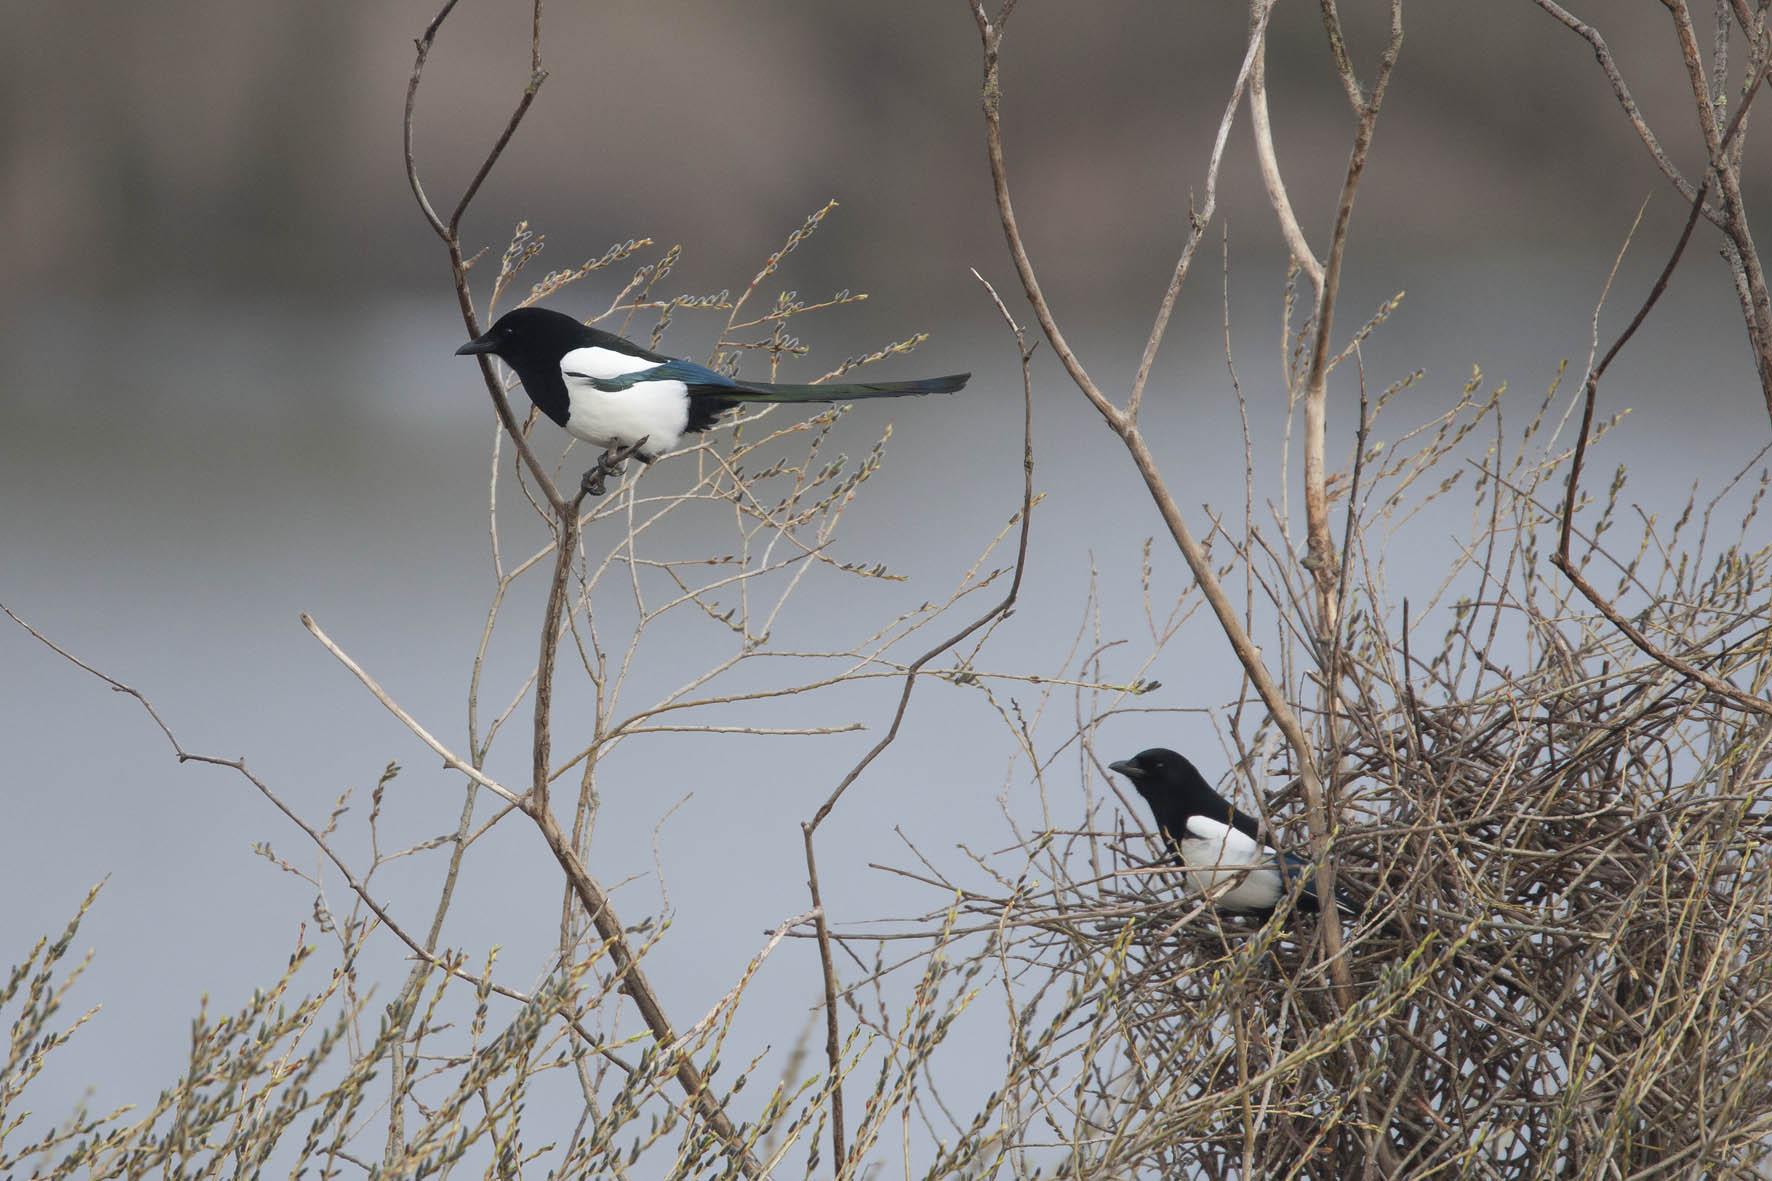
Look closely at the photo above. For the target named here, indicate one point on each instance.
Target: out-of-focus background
(228, 396)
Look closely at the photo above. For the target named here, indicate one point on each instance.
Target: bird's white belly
(1213, 867)
(657, 411)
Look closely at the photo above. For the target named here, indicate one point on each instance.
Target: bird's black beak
(480, 344)
(1130, 770)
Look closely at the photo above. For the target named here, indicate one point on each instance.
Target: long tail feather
(762, 391)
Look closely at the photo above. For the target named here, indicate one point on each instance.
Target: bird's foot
(593, 482)
(608, 464)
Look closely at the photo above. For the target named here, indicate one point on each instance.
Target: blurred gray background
(229, 397)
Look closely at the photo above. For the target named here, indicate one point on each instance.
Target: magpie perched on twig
(633, 401)
(1218, 844)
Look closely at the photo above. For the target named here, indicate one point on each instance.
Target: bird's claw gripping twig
(592, 484)
(608, 464)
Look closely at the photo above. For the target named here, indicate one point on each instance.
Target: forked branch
(1125, 424)
(589, 892)
(1562, 559)
(1321, 561)
(1723, 149)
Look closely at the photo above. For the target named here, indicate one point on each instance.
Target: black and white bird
(1223, 849)
(630, 400)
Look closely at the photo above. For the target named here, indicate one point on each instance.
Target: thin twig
(1562, 559)
(1321, 559)
(1001, 610)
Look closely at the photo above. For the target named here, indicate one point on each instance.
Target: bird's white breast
(657, 411)
(1217, 854)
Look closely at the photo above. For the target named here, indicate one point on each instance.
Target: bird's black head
(532, 341)
(528, 339)
(1171, 783)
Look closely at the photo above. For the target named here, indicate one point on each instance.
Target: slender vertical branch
(991, 97)
(1344, 66)
(541, 744)
(1199, 219)
(1321, 556)
(630, 977)
(1757, 307)
(833, 1032)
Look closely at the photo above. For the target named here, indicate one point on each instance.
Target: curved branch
(992, 36)
(424, 951)
(1269, 165)
(1562, 559)
(1628, 103)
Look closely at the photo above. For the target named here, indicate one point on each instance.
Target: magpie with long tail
(631, 401)
(1226, 852)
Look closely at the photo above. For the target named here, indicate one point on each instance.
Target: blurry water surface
(174, 498)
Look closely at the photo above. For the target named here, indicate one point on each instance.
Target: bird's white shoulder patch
(1217, 854)
(602, 363)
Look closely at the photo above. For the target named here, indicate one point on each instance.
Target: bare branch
(1269, 163)
(450, 759)
(1000, 611)
(1562, 560)
(1321, 560)
(1199, 219)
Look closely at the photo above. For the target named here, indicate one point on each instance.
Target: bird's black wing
(1249, 826)
(596, 338)
(1294, 866)
(696, 379)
